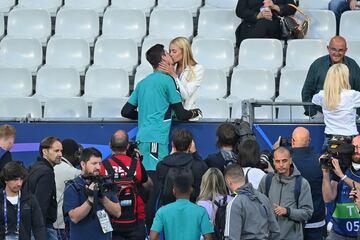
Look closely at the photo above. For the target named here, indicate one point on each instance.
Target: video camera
(131, 151)
(103, 184)
(340, 150)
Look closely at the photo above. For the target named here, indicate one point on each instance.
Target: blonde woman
(212, 189)
(188, 73)
(338, 103)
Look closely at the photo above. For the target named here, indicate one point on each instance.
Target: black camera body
(285, 142)
(340, 150)
(131, 151)
(104, 184)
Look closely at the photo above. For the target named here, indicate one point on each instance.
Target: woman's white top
(254, 175)
(188, 89)
(342, 120)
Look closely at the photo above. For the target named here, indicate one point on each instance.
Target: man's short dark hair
(13, 170)
(46, 143)
(87, 153)
(226, 135)
(249, 153)
(181, 139)
(234, 172)
(154, 55)
(119, 143)
(183, 182)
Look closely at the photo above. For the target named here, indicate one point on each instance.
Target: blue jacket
(307, 162)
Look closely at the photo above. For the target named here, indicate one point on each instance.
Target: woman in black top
(261, 23)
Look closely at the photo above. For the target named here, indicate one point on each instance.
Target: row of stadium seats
(52, 6)
(164, 23)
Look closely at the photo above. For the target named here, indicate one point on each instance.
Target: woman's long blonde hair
(337, 79)
(212, 185)
(188, 59)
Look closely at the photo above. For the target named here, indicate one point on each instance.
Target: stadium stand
(213, 85)
(213, 108)
(221, 55)
(49, 5)
(21, 52)
(144, 5)
(6, 5)
(96, 5)
(16, 81)
(107, 107)
(57, 82)
(124, 23)
(77, 23)
(354, 50)
(101, 82)
(349, 30)
(224, 4)
(223, 20)
(29, 23)
(68, 53)
(120, 53)
(20, 107)
(311, 4)
(66, 108)
(322, 24)
(190, 5)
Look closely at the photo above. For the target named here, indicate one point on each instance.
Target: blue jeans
(338, 7)
(51, 233)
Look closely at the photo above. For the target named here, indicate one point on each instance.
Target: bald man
(317, 72)
(119, 144)
(307, 162)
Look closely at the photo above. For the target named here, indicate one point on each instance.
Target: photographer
(86, 205)
(346, 218)
(129, 228)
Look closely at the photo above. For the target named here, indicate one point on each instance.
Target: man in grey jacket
(249, 215)
(290, 213)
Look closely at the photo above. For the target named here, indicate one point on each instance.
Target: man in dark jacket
(226, 139)
(307, 162)
(12, 224)
(7, 138)
(41, 181)
(182, 157)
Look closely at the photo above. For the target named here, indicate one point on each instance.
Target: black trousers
(139, 233)
(150, 205)
(263, 28)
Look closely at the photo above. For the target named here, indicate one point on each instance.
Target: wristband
(89, 202)
(343, 178)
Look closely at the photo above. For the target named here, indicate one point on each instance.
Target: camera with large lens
(340, 150)
(131, 151)
(285, 142)
(265, 159)
(104, 184)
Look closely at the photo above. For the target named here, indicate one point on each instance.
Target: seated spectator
(249, 160)
(261, 18)
(316, 75)
(182, 219)
(183, 157)
(249, 215)
(226, 138)
(340, 6)
(338, 103)
(188, 73)
(7, 138)
(19, 223)
(212, 189)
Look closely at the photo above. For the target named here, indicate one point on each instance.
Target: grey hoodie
(250, 216)
(282, 193)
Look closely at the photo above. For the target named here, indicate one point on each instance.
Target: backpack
(220, 218)
(127, 194)
(166, 194)
(297, 189)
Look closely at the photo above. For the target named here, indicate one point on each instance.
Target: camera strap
(130, 172)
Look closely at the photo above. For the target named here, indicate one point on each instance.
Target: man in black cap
(65, 171)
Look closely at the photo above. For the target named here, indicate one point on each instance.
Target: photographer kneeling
(345, 218)
(88, 199)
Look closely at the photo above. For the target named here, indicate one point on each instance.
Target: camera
(131, 151)
(340, 150)
(265, 159)
(285, 142)
(104, 184)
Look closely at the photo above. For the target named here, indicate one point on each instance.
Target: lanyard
(6, 215)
